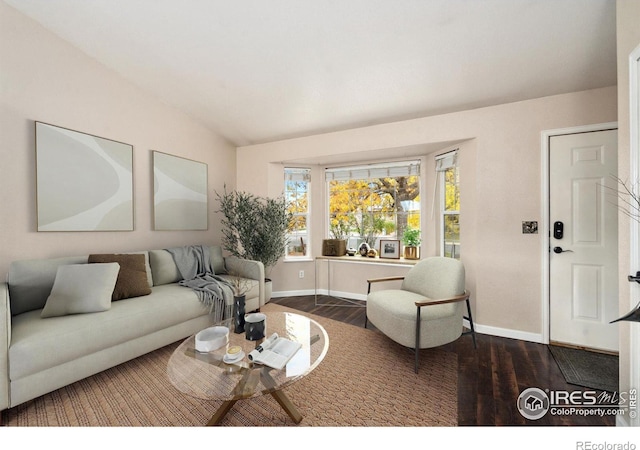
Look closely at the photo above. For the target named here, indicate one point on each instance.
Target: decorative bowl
(212, 338)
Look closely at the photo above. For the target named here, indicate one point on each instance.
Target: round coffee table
(207, 376)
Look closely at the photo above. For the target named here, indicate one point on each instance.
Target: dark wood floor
(490, 378)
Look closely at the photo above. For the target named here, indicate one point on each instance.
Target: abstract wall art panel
(83, 182)
(179, 193)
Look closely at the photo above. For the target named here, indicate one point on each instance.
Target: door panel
(587, 291)
(583, 276)
(586, 223)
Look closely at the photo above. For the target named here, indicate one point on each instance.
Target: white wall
(501, 187)
(45, 79)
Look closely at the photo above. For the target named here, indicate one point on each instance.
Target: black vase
(238, 314)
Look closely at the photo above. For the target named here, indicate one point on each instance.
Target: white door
(583, 261)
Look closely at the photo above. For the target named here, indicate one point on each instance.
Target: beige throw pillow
(81, 288)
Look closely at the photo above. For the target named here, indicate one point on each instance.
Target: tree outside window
(364, 207)
(451, 214)
(297, 184)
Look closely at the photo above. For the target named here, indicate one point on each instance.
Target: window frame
(306, 175)
(444, 163)
(368, 172)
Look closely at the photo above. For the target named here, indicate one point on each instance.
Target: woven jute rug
(365, 380)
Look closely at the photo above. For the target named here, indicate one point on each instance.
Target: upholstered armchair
(428, 309)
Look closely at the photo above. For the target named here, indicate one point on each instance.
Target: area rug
(365, 380)
(586, 368)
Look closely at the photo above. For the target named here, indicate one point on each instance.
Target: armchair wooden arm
(459, 298)
(379, 280)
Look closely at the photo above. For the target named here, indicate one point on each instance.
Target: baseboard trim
(480, 329)
(509, 333)
(349, 295)
(293, 293)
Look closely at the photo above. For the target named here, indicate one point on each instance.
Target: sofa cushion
(132, 278)
(30, 281)
(38, 344)
(81, 288)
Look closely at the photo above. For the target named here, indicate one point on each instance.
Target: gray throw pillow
(81, 288)
(163, 268)
(217, 260)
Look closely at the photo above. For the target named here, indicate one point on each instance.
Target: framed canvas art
(83, 182)
(180, 200)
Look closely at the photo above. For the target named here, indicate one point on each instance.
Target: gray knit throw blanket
(194, 264)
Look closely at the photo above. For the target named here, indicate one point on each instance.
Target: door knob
(560, 250)
(635, 278)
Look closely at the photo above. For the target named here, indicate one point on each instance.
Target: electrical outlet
(301, 274)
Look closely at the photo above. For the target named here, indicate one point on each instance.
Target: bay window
(373, 201)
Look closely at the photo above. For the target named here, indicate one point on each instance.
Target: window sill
(298, 259)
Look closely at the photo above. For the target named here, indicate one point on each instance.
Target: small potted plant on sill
(411, 241)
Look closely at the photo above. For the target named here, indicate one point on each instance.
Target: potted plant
(337, 244)
(411, 241)
(255, 228)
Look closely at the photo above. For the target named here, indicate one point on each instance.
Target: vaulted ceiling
(261, 70)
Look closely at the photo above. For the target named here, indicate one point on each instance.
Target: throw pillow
(81, 288)
(217, 260)
(163, 268)
(132, 279)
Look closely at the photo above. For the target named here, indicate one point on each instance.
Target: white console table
(357, 259)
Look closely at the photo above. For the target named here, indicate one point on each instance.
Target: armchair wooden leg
(470, 319)
(417, 347)
(365, 314)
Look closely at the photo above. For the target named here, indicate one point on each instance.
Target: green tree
(297, 196)
(297, 204)
(451, 204)
(368, 207)
(402, 189)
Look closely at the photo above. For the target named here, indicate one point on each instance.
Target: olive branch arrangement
(629, 204)
(628, 196)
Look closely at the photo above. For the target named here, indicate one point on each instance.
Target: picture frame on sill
(389, 249)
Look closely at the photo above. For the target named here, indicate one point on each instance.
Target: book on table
(275, 351)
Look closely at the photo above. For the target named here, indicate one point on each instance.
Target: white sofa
(39, 355)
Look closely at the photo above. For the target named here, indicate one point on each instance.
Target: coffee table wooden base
(280, 397)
